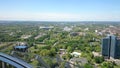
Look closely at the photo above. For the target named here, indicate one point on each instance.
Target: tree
(68, 56)
(87, 65)
(69, 49)
(107, 65)
(50, 62)
(52, 52)
(97, 48)
(62, 65)
(98, 59)
(44, 52)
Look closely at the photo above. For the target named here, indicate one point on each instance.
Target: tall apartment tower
(111, 47)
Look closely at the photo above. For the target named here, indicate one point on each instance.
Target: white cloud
(57, 16)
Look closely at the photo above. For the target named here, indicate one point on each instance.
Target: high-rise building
(111, 47)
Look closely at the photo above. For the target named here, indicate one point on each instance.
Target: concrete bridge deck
(7, 60)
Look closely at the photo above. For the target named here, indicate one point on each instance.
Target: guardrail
(15, 62)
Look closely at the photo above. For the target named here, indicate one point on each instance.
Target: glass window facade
(111, 47)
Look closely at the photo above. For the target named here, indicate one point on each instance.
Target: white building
(76, 54)
(67, 29)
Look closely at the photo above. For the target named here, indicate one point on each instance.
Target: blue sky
(60, 10)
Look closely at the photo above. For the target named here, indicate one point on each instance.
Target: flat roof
(21, 47)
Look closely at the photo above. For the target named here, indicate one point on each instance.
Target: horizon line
(64, 21)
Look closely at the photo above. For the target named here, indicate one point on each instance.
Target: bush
(98, 59)
(107, 65)
(88, 65)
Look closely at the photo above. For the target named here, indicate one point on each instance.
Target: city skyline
(60, 10)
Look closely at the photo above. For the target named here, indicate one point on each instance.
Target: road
(55, 44)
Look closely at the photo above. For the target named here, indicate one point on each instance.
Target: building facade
(111, 47)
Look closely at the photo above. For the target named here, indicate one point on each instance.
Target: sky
(60, 10)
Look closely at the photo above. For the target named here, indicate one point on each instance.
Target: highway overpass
(7, 61)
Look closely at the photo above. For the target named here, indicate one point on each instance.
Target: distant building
(67, 29)
(62, 51)
(86, 29)
(25, 36)
(22, 47)
(46, 27)
(96, 31)
(74, 34)
(111, 47)
(76, 54)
